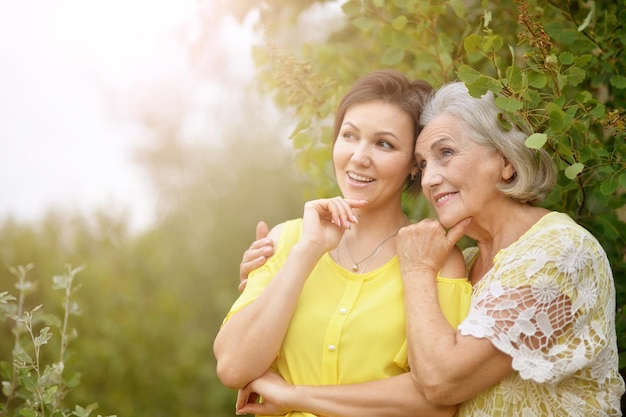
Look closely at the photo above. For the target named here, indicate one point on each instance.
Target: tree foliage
(557, 68)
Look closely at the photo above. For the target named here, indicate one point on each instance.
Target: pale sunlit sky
(61, 145)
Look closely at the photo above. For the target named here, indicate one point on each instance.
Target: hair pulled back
(535, 173)
(391, 87)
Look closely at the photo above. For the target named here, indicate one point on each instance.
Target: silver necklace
(373, 254)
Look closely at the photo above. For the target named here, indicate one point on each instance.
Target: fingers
(248, 266)
(338, 210)
(256, 255)
(262, 230)
(245, 397)
(457, 231)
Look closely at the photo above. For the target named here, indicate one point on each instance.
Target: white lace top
(549, 303)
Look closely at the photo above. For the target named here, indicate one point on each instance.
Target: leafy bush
(31, 387)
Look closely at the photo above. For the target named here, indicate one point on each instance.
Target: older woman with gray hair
(540, 338)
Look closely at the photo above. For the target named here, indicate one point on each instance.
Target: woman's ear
(508, 170)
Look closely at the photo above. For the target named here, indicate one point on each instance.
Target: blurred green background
(216, 157)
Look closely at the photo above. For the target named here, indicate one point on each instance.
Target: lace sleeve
(547, 302)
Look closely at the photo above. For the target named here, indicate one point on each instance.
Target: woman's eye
(348, 135)
(385, 144)
(446, 153)
(421, 165)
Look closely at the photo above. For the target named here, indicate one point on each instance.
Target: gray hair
(535, 173)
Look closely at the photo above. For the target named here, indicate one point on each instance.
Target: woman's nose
(361, 153)
(430, 176)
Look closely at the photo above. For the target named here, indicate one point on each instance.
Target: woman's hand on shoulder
(256, 255)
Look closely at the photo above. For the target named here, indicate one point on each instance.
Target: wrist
(296, 398)
(306, 250)
(418, 272)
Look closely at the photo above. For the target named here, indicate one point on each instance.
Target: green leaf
(509, 104)
(532, 97)
(399, 22)
(459, 8)
(495, 86)
(352, 7)
(566, 58)
(5, 297)
(324, 110)
(584, 154)
(582, 60)
(392, 56)
(301, 140)
(600, 152)
(622, 180)
(503, 121)
(598, 111)
(43, 337)
(573, 170)
(561, 34)
(583, 97)
(492, 43)
(609, 186)
(49, 393)
(472, 43)
(28, 380)
(536, 140)
(363, 23)
(618, 81)
(26, 412)
(23, 357)
(559, 101)
(556, 119)
(575, 75)
(468, 74)
(479, 87)
(514, 76)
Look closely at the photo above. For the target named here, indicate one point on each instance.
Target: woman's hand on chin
(424, 246)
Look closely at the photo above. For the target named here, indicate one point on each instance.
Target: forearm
(390, 397)
(249, 341)
(432, 341)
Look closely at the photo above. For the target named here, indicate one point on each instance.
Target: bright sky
(60, 145)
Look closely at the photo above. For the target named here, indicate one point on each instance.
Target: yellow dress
(549, 303)
(347, 328)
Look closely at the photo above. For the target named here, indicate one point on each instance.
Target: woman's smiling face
(459, 176)
(373, 153)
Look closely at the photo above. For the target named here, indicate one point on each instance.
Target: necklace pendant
(355, 267)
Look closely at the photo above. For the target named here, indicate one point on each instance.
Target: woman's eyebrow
(378, 133)
(350, 124)
(433, 145)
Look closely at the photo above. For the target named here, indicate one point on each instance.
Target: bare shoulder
(275, 233)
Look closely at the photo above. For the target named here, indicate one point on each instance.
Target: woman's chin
(448, 222)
